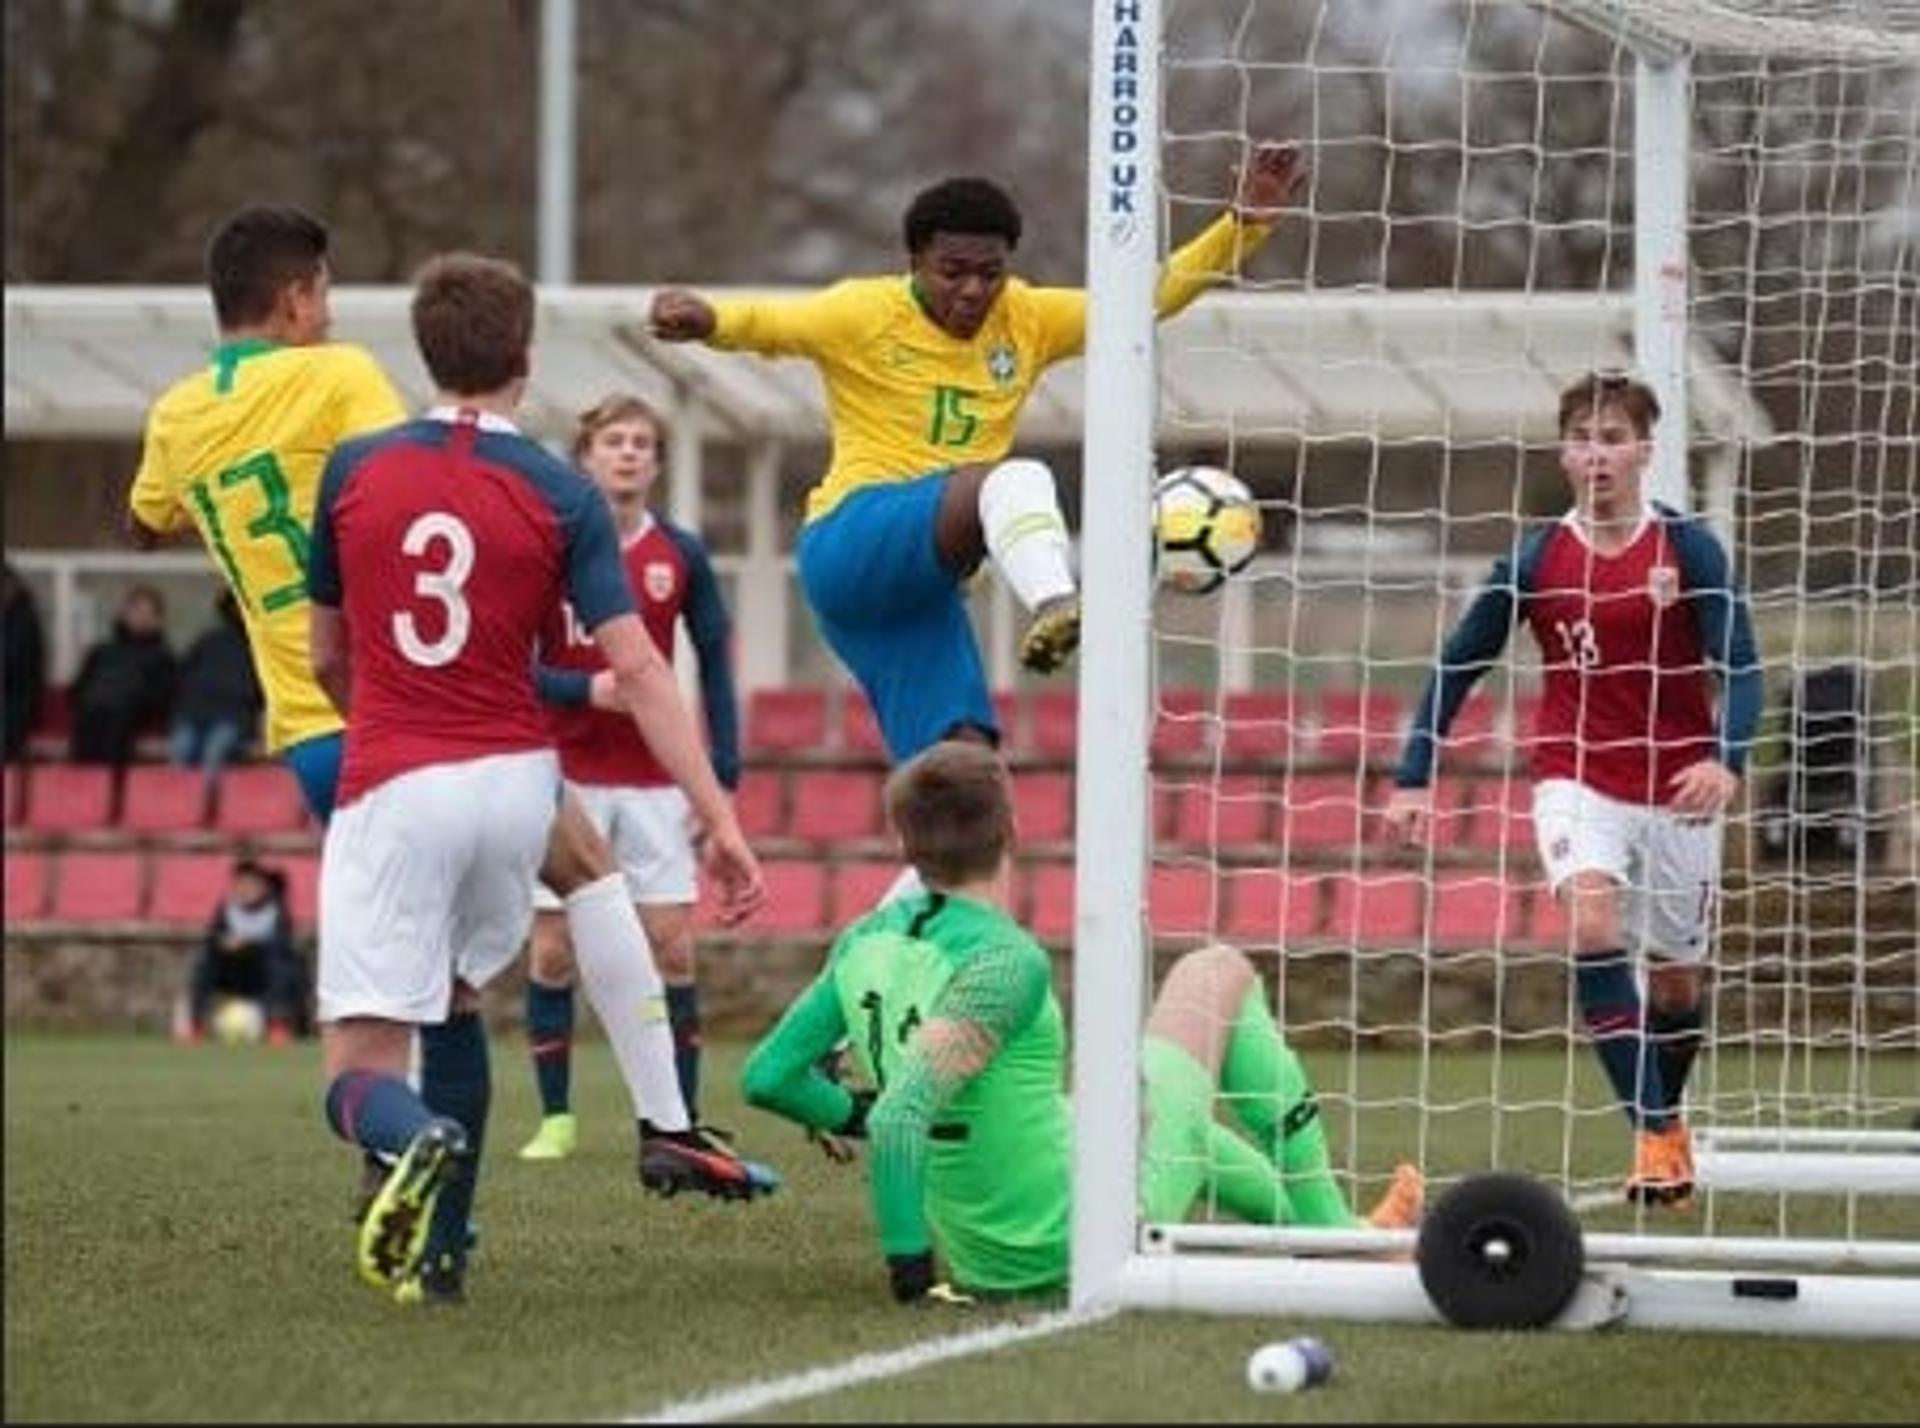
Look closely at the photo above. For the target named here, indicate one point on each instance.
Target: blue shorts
(894, 614)
(316, 763)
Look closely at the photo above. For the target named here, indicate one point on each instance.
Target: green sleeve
(994, 996)
(781, 1075)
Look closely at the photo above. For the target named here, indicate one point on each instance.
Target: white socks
(1026, 534)
(624, 988)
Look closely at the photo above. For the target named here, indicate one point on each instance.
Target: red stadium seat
(796, 900)
(1455, 805)
(1270, 907)
(1181, 901)
(858, 888)
(1054, 722)
(1472, 910)
(16, 777)
(1359, 726)
(1182, 721)
(1232, 812)
(1260, 725)
(26, 886)
(859, 729)
(303, 890)
(831, 805)
(259, 798)
(99, 887)
(1007, 710)
(1547, 924)
(1376, 911)
(188, 886)
(1321, 811)
(1519, 722)
(69, 798)
(1050, 901)
(160, 799)
(1472, 740)
(760, 802)
(787, 721)
(1043, 806)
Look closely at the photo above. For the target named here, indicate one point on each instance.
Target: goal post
(1723, 195)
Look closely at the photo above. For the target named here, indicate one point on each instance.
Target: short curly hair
(961, 205)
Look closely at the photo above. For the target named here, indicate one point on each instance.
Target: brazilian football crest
(1002, 366)
(1663, 586)
(658, 578)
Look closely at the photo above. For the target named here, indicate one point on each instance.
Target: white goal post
(1792, 294)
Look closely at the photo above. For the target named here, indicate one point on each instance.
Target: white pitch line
(866, 1368)
(1594, 1200)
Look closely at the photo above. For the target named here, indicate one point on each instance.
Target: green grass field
(178, 1248)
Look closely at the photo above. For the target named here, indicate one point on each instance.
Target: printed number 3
(446, 585)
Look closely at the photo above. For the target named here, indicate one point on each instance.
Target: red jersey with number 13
(1627, 700)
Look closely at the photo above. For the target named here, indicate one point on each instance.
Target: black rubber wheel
(1500, 1251)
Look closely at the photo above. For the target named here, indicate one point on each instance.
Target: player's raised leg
(1009, 512)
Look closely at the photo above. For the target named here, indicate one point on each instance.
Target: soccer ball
(239, 1021)
(1206, 527)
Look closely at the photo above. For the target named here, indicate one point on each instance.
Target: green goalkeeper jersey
(947, 1005)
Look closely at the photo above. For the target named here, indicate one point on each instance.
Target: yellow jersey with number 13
(237, 451)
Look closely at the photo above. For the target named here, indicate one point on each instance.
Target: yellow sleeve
(1213, 255)
(368, 401)
(151, 498)
(808, 326)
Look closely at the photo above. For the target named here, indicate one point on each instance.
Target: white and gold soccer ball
(239, 1021)
(1206, 528)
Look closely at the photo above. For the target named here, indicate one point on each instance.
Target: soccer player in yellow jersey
(235, 450)
(926, 376)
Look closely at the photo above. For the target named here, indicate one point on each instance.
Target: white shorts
(1669, 868)
(426, 878)
(651, 833)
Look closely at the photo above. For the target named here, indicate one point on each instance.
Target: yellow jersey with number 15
(237, 451)
(904, 396)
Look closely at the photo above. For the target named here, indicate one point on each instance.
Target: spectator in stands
(26, 668)
(249, 952)
(125, 682)
(216, 712)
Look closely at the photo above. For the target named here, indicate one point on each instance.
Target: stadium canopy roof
(1259, 368)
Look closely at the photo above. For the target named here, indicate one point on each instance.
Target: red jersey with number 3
(1627, 700)
(600, 746)
(445, 544)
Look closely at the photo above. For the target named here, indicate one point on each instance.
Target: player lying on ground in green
(947, 1007)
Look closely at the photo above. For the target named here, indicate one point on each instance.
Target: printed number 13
(277, 522)
(1582, 645)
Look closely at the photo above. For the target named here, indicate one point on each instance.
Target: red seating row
(1338, 725)
(249, 799)
(1262, 906)
(1265, 906)
(175, 890)
(1298, 810)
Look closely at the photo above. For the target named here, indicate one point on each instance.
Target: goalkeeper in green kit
(946, 1006)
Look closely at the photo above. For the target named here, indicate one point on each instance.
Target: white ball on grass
(1290, 1366)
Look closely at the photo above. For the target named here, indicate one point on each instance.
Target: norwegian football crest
(657, 577)
(1002, 366)
(1663, 586)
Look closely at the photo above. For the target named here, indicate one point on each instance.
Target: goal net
(1721, 197)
